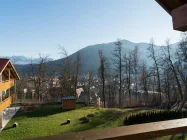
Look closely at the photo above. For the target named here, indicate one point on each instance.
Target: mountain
(90, 57)
(22, 60)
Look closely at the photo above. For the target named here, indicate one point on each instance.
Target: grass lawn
(47, 121)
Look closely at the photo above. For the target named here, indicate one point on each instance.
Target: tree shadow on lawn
(7, 128)
(42, 111)
(103, 120)
(65, 123)
(47, 110)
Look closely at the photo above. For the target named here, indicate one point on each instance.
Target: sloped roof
(6, 62)
(69, 98)
(3, 63)
(170, 5)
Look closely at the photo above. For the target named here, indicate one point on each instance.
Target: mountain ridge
(90, 56)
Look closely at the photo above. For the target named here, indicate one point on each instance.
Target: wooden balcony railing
(7, 102)
(6, 85)
(144, 131)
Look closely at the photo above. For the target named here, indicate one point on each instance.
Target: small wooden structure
(69, 102)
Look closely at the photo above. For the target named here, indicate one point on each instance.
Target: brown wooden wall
(69, 104)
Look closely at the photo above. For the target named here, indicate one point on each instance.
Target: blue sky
(29, 27)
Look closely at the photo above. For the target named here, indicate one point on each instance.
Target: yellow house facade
(8, 77)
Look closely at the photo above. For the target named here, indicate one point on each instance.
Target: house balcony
(7, 102)
(6, 85)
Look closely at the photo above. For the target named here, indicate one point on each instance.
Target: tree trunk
(184, 99)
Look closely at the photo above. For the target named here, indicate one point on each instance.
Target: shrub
(96, 113)
(83, 118)
(90, 115)
(154, 116)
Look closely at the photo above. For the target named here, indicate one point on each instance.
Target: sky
(30, 27)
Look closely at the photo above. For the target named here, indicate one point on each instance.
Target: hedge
(154, 116)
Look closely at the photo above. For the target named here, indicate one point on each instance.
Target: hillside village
(54, 92)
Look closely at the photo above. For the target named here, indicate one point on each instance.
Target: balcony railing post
(9, 74)
(1, 96)
(1, 77)
(15, 86)
(9, 80)
(1, 119)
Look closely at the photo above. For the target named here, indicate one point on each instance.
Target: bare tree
(128, 71)
(154, 56)
(77, 69)
(111, 89)
(89, 84)
(166, 82)
(181, 65)
(70, 72)
(135, 64)
(67, 73)
(40, 76)
(103, 73)
(169, 61)
(20, 85)
(183, 47)
(144, 79)
(117, 60)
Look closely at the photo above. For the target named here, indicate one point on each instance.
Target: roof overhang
(170, 5)
(178, 10)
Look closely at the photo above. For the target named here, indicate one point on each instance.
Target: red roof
(3, 63)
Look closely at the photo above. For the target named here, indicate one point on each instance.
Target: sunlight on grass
(47, 120)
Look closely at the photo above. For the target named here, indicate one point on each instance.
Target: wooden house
(8, 77)
(69, 102)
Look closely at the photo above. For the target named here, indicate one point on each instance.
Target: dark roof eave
(163, 5)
